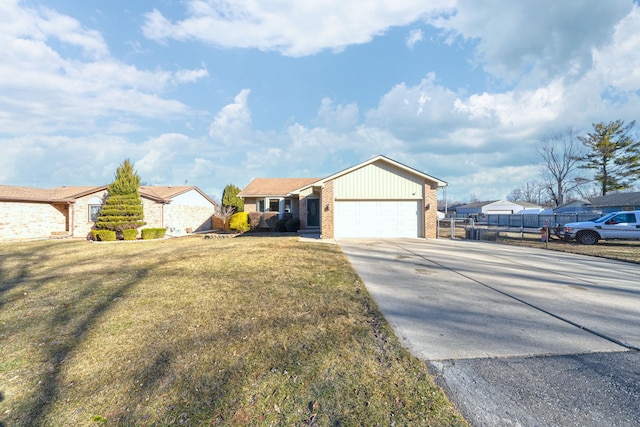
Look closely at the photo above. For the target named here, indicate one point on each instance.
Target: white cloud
(542, 39)
(414, 37)
(618, 63)
(190, 76)
(233, 121)
(414, 112)
(291, 27)
(42, 91)
(337, 117)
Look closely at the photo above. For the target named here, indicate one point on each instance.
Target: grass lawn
(242, 331)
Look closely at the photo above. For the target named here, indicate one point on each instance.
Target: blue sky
(212, 92)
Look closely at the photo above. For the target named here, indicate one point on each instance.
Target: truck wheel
(588, 237)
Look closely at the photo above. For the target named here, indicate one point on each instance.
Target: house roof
(48, 195)
(12, 193)
(478, 204)
(616, 199)
(166, 193)
(263, 187)
(501, 202)
(379, 158)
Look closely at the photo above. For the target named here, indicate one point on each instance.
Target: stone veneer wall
(82, 224)
(327, 208)
(180, 218)
(31, 220)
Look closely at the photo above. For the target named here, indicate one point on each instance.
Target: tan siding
(379, 181)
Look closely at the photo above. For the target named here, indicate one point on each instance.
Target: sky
(217, 92)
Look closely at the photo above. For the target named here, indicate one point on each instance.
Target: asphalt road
(516, 336)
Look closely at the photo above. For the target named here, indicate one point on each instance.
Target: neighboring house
(493, 207)
(28, 213)
(616, 202)
(612, 202)
(377, 198)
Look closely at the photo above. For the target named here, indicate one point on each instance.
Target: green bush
(254, 219)
(239, 221)
(292, 225)
(280, 225)
(130, 234)
(104, 235)
(153, 233)
(271, 218)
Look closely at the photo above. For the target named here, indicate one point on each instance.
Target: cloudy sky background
(212, 92)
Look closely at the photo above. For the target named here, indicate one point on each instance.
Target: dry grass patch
(244, 331)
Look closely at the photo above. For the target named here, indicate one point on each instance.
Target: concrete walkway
(501, 325)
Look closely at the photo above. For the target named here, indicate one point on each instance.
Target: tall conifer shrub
(123, 208)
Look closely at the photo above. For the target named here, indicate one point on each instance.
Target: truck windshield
(604, 218)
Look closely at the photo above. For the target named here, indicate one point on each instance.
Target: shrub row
(130, 234)
(245, 221)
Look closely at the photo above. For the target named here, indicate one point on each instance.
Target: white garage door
(377, 219)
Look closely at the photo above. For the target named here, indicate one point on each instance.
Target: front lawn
(191, 331)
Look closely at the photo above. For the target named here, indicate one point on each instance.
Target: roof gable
(384, 159)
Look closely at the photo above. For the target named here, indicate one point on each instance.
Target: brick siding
(327, 208)
(431, 210)
(31, 220)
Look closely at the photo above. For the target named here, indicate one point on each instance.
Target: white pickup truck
(615, 225)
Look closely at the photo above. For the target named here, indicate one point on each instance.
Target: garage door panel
(377, 219)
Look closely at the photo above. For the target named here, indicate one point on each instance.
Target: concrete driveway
(517, 336)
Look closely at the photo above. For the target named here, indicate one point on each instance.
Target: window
(274, 205)
(94, 211)
(287, 205)
(260, 205)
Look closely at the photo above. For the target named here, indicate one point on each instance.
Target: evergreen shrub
(130, 234)
(104, 235)
(292, 225)
(280, 225)
(239, 221)
(153, 233)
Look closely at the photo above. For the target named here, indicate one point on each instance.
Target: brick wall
(82, 224)
(179, 218)
(430, 213)
(328, 210)
(31, 220)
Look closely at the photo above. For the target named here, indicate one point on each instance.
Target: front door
(313, 212)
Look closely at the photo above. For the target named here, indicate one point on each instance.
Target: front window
(604, 218)
(287, 205)
(623, 219)
(260, 205)
(94, 211)
(274, 205)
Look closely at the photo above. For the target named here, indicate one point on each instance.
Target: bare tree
(529, 192)
(561, 154)
(224, 213)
